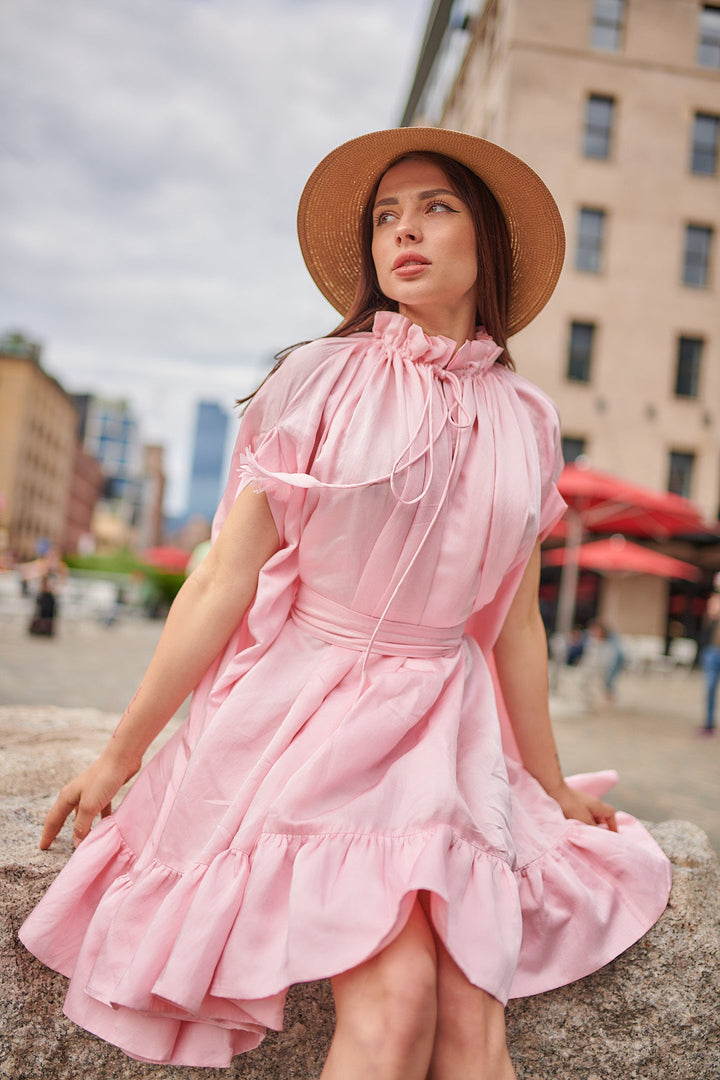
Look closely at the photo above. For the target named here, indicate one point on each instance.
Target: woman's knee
(469, 1018)
(392, 998)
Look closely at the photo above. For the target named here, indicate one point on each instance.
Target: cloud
(152, 159)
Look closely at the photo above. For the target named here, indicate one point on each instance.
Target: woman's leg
(386, 1011)
(711, 665)
(470, 1033)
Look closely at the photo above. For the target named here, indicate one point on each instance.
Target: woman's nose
(408, 229)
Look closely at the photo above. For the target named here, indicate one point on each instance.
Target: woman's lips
(409, 265)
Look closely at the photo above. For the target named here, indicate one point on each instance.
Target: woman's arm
(208, 607)
(522, 666)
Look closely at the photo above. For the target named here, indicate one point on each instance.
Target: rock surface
(650, 1015)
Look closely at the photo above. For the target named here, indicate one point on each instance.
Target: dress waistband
(340, 625)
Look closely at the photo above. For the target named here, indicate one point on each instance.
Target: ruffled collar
(409, 341)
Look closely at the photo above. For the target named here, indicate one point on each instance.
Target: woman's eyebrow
(393, 201)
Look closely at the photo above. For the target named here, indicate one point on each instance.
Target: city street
(649, 737)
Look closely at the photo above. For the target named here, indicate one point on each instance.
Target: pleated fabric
(350, 746)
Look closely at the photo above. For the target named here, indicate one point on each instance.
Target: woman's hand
(89, 794)
(583, 807)
(521, 662)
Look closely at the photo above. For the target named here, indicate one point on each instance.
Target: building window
(696, 264)
(687, 373)
(680, 473)
(582, 336)
(591, 229)
(573, 447)
(705, 144)
(607, 25)
(709, 42)
(598, 126)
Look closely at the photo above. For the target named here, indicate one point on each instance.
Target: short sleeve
(280, 430)
(546, 426)
(553, 506)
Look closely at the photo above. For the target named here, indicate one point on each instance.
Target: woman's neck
(458, 324)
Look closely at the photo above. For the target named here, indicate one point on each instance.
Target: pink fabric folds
(349, 748)
(339, 625)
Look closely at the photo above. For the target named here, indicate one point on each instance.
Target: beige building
(616, 104)
(37, 450)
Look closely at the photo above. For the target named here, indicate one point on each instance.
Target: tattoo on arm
(126, 713)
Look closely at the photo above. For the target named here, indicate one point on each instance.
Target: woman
(346, 798)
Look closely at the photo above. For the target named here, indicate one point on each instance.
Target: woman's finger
(605, 815)
(84, 817)
(57, 816)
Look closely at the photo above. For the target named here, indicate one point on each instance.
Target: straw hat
(334, 197)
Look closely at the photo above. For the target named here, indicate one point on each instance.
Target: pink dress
(348, 748)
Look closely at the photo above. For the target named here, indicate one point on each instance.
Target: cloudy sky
(151, 159)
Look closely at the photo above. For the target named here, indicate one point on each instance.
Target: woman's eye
(382, 217)
(439, 206)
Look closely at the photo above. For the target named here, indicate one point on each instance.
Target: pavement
(649, 735)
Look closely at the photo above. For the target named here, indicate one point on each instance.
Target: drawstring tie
(453, 413)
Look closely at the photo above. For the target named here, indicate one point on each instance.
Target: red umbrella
(607, 503)
(167, 557)
(618, 555)
(601, 502)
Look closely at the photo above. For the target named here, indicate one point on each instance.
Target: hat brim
(333, 200)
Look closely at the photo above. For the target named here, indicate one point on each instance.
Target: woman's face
(424, 246)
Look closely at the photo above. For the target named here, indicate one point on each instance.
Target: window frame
(591, 244)
(581, 442)
(697, 258)
(699, 149)
(688, 355)
(596, 133)
(580, 360)
(708, 52)
(607, 29)
(684, 461)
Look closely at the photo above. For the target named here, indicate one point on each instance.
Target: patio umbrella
(618, 555)
(607, 503)
(600, 502)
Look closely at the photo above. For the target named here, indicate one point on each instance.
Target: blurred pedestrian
(710, 660)
(603, 660)
(575, 646)
(115, 609)
(42, 623)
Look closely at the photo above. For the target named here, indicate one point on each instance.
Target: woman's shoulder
(543, 415)
(309, 356)
(310, 371)
(533, 398)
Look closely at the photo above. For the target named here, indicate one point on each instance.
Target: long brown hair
(494, 260)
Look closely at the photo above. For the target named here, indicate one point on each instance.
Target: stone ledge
(650, 1015)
